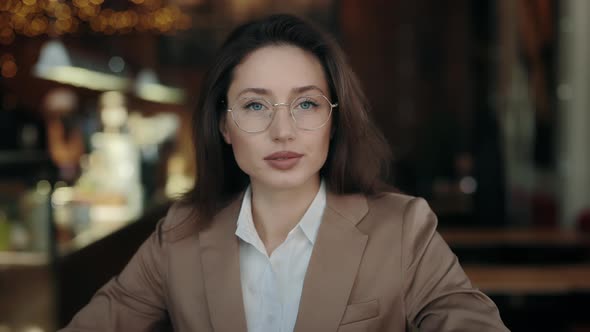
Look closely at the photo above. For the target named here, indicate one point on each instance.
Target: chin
(283, 180)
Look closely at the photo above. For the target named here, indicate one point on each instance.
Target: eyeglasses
(255, 114)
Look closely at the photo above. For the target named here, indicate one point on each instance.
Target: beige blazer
(378, 265)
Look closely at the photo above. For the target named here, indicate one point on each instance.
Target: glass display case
(76, 203)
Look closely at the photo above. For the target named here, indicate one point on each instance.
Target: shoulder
(408, 219)
(180, 222)
(416, 221)
(410, 211)
(389, 202)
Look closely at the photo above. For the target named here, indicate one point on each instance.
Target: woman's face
(282, 156)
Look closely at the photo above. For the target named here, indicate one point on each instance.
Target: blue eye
(254, 106)
(306, 105)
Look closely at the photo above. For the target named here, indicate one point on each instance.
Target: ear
(224, 130)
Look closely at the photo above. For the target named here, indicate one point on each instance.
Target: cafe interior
(484, 104)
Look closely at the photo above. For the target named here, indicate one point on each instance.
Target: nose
(282, 127)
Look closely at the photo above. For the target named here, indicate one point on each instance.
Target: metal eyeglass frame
(274, 110)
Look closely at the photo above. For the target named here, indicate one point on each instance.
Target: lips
(282, 155)
(283, 160)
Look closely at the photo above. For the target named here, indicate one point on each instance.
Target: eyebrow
(306, 88)
(259, 91)
(266, 92)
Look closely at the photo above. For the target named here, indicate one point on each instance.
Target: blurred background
(485, 105)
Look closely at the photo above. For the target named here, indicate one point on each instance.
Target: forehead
(279, 69)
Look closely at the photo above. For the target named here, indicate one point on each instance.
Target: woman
(286, 228)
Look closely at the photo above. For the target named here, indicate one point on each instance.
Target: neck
(276, 212)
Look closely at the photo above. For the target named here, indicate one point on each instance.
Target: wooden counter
(530, 280)
(517, 236)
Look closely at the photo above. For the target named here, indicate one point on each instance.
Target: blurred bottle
(4, 232)
(61, 201)
(115, 161)
(20, 239)
(35, 214)
(150, 134)
(66, 143)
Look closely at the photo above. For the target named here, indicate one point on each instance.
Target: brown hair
(358, 155)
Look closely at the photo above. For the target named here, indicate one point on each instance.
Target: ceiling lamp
(148, 87)
(56, 64)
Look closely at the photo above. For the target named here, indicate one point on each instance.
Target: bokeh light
(9, 67)
(56, 17)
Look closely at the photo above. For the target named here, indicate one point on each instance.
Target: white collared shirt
(271, 286)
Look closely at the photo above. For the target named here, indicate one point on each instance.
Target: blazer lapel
(333, 265)
(221, 270)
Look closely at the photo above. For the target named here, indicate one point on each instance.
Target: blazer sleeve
(132, 301)
(438, 294)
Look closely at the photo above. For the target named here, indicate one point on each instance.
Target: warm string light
(57, 17)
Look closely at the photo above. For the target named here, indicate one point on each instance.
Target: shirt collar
(311, 220)
(309, 223)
